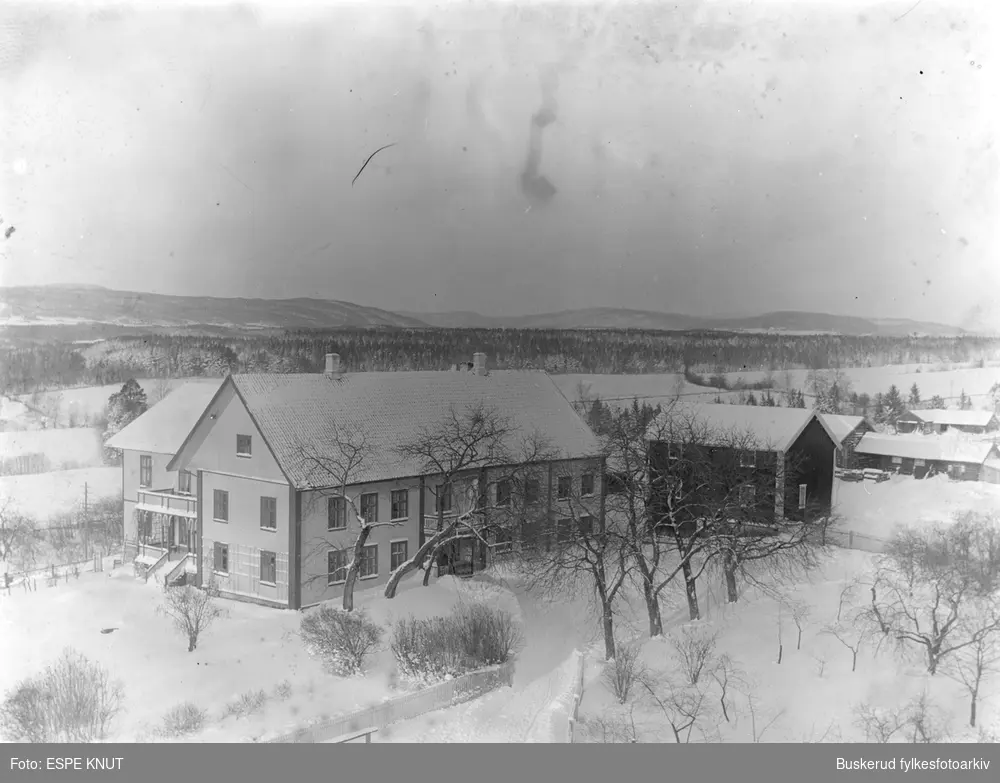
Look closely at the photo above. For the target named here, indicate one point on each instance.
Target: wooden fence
(50, 575)
(411, 705)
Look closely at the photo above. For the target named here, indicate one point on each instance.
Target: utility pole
(86, 521)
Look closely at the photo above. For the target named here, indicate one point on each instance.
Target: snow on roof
(841, 426)
(957, 418)
(163, 428)
(300, 414)
(924, 447)
(770, 428)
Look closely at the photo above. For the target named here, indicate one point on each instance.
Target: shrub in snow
(439, 648)
(192, 611)
(73, 700)
(182, 720)
(624, 671)
(694, 649)
(283, 690)
(246, 704)
(344, 640)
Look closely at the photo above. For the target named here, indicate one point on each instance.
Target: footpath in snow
(546, 669)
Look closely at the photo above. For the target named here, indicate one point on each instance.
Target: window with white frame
(748, 459)
(268, 513)
(398, 554)
(268, 567)
(587, 485)
(442, 499)
(747, 494)
(336, 566)
(145, 470)
(586, 525)
(803, 488)
(564, 487)
(369, 507)
(399, 504)
(220, 505)
(243, 445)
(897, 460)
(336, 513)
(368, 567)
(220, 561)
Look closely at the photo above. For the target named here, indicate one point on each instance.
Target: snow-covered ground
(64, 448)
(254, 648)
(810, 696)
(930, 379)
(878, 509)
(44, 495)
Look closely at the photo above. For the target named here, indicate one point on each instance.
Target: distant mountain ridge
(67, 305)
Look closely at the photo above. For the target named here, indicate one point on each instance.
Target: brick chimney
(479, 363)
(332, 365)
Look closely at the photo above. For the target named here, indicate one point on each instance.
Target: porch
(166, 522)
(466, 554)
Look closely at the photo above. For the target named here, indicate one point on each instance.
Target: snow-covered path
(551, 634)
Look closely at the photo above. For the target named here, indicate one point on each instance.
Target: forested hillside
(58, 364)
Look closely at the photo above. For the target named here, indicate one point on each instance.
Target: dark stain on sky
(534, 185)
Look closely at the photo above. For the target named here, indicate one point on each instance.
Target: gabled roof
(957, 418)
(925, 447)
(163, 428)
(842, 426)
(770, 428)
(301, 416)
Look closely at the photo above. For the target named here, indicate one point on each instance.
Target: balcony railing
(168, 501)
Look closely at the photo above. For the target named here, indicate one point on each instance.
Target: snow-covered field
(44, 495)
(878, 509)
(64, 448)
(931, 380)
(811, 696)
(254, 648)
(86, 402)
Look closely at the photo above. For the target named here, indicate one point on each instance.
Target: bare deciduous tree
(936, 589)
(481, 463)
(334, 474)
(971, 665)
(192, 610)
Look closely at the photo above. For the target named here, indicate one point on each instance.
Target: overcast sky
(708, 158)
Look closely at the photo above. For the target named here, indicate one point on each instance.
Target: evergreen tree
(914, 394)
(894, 406)
(124, 406)
(937, 402)
(879, 413)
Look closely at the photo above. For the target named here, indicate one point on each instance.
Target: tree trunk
(608, 622)
(418, 558)
(729, 567)
(690, 588)
(972, 712)
(652, 609)
(352, 570)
